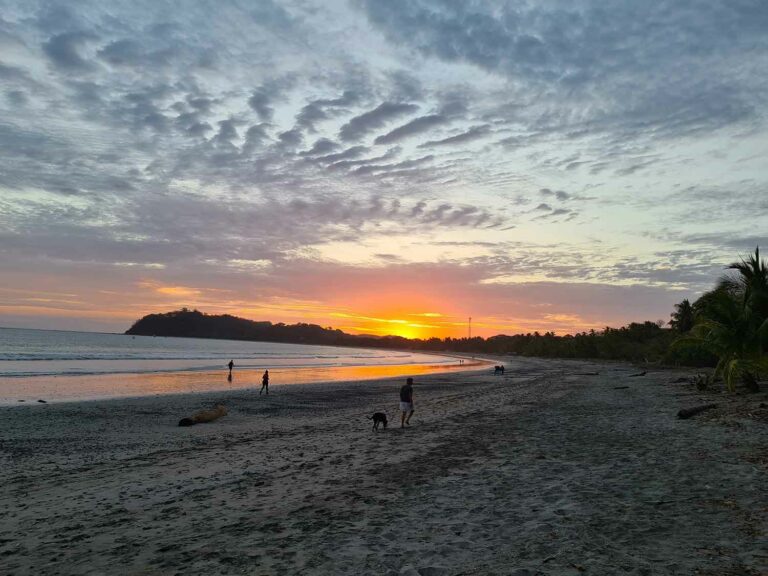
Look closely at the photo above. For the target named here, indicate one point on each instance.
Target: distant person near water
(230, 365)
(265, 383)
(406, 403)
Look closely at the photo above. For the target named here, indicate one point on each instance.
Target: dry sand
(539, 471)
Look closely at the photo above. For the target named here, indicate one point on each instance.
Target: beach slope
(554, 468)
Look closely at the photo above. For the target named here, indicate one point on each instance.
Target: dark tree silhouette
(683, 317)
(732, 324)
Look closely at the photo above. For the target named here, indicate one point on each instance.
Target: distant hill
(187, 323)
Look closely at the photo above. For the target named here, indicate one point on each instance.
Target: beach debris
(643, 373)
(688, 412)
(620, 387)
(42, 402)
(549, 559)
(702, 381)
(586, 373)
(204, 416)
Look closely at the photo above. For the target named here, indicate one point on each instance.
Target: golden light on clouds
(170, 290)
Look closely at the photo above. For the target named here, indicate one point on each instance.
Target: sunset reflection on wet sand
(100, 386)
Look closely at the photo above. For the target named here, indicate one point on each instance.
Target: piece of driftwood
(688, 412)
(620, 387)
(643, 373)
(586, 373)
(204, 416)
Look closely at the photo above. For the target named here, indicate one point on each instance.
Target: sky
(383, 167)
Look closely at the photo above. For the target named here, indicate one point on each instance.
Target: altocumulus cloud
(259, 132)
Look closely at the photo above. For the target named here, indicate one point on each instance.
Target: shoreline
(29, 390)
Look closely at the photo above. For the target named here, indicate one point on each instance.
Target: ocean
(58, 365)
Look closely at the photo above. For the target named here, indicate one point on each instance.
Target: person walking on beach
(406, 403)
(265, 383)
(230, 365)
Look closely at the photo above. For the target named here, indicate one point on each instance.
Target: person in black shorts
(406, 403)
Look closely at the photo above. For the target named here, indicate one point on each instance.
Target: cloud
(13, 73)
(260, 101)
(556, 50)
(731, 241)
(291, 138)
(64, 50)
(559, 194)
(369, 121)
(412, 128)
(349, 153)
(322, 146)
(405, 164)
(474, 133)
(318, 110)
(123, 52)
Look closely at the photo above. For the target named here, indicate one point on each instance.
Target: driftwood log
(643, 373)
(688, 412)
(204, 416)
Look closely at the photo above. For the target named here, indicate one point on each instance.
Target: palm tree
(728, 332)
(751, 284)
(683, 317)
(732, 323)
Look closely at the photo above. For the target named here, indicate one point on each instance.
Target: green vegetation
(726, 328)
(731, 323)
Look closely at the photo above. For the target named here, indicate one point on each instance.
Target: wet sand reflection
(100, 386)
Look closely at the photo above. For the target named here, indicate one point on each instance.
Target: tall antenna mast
(470, 328)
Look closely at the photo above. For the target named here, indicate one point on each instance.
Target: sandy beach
(555, 468)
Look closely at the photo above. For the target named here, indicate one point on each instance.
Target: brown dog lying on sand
(379, 418)
(204, 416)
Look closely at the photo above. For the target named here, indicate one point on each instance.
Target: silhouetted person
(406, 403)
(231, 365)
(265, 383)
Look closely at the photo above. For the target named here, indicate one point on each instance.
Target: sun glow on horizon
(408, 313)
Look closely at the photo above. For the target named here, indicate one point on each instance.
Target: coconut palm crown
(732, 323)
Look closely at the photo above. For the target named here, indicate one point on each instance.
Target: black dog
(379, 418)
